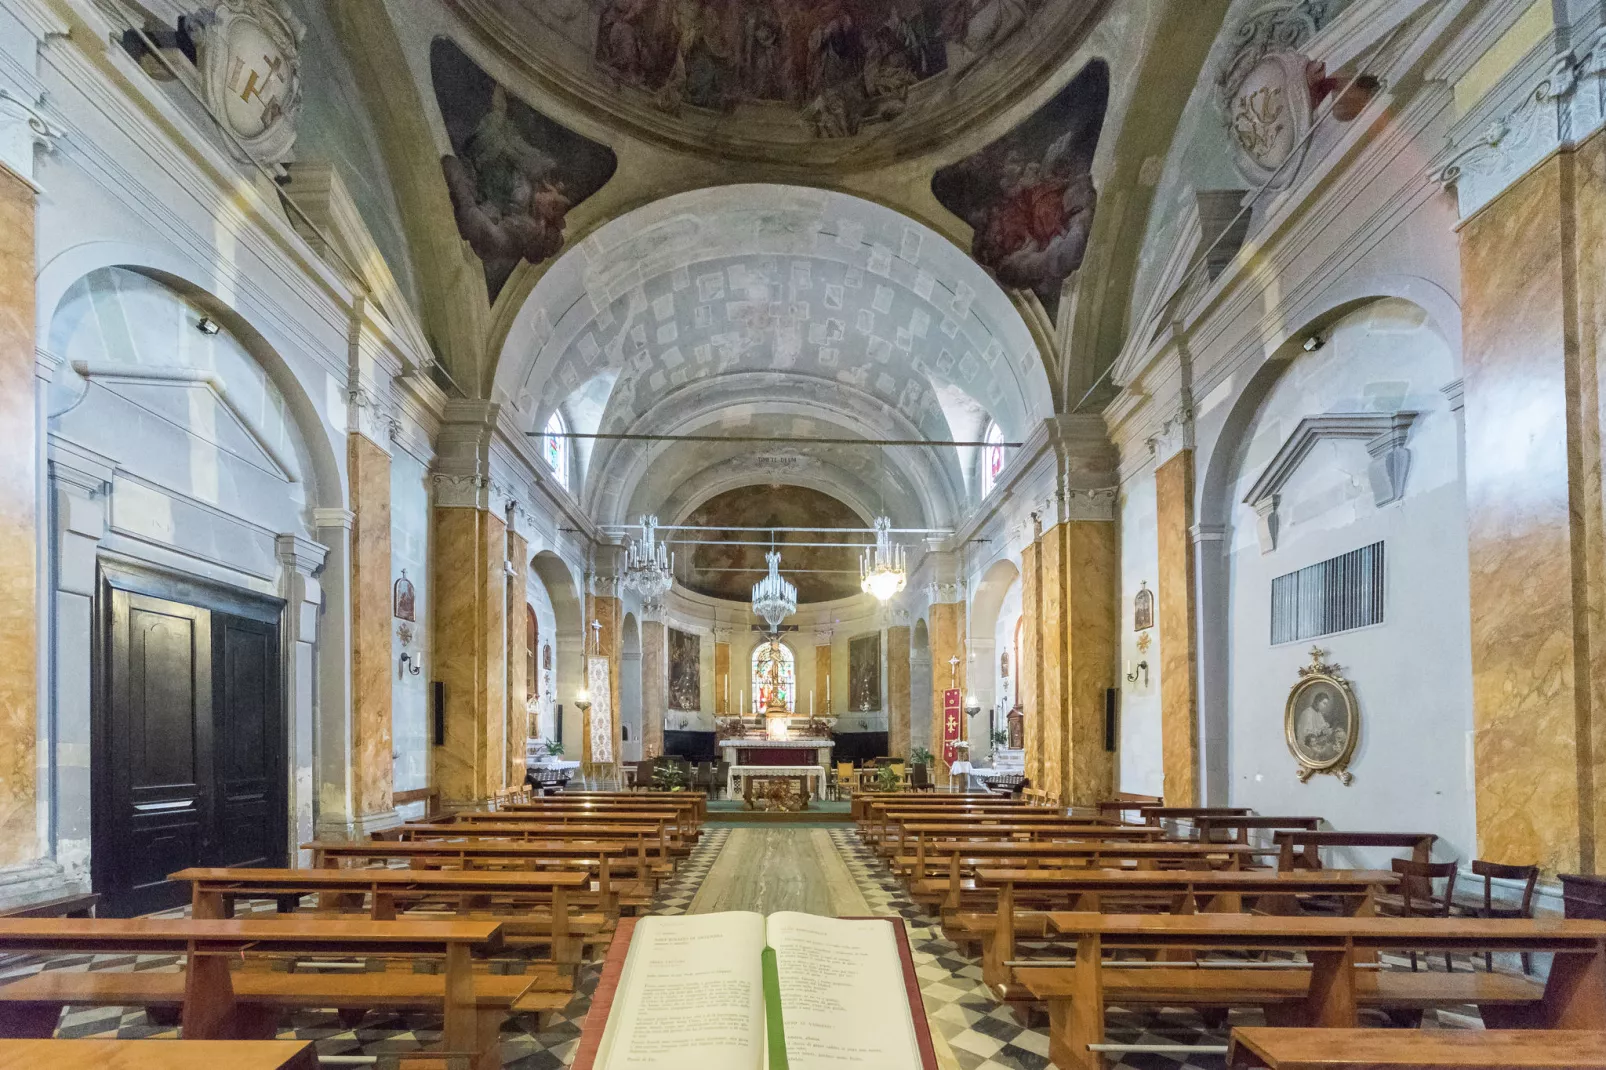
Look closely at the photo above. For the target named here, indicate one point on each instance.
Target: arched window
(992, 458)
(773, 670)
(555, 448)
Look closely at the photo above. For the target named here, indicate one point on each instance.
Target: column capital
(371, 415)
(721, 633)
(822, 636)
(333, 517)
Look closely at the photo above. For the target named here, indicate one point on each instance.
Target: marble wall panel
(1179, 704)
(822, 677)
(518, 656)
(1053, 662)
(1589, 162)
(372, 769)
(467, 575)
(725, 688)
(654, 686)
(1092, 561)
(898, 690)
(1525, 475)
(18, 511)
(947, 635)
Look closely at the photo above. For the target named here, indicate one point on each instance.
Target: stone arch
(568, 650)
(1000, 578)
(630, 689)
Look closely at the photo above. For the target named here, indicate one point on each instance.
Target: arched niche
(556, 592)
(630, 686)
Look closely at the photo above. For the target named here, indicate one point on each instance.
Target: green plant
(920, 756)
(999, 738)
(886, 779)
(669, 778)
(554, 748)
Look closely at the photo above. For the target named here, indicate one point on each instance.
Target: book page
(843, 999)
(691, 996)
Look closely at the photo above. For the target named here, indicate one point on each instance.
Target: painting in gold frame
(1322, 721)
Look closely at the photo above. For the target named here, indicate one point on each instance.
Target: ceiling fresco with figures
(820, 573)
(788, 80)
(715, 305)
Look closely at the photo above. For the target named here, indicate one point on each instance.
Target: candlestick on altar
(811, 702)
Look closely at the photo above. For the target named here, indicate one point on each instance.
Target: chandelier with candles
(882, 569)
(649, 566)
(774, 599)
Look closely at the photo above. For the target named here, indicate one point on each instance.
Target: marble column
(1031, 642)
(725, 689)
(654, 681)
(19, 446)
(898, 690)
(947, 632)
(822, 674)
(467, 573)
(518, 655)
(1533, 266)
(368, 474)
(1179, 665)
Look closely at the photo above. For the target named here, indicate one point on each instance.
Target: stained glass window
(555, 448)
(992, 458)
(773, 670)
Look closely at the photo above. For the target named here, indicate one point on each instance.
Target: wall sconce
(410, 665)
(1132, 674)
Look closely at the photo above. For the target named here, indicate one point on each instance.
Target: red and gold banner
(953, 724)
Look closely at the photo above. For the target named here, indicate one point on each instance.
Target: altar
(763, 750)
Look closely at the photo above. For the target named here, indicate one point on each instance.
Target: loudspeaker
(440, 712)
(1109, 718)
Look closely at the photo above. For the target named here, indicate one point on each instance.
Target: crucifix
(596, 634)
(953, 671)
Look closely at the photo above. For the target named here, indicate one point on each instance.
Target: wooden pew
(1054, 828)
(680, 830)
(859, 801)
(1153, 815)
(650, 833)
(874, 827)
(1302, 849)
(1185, 892)
(220, 1003)
(1437, 1049)
(693, 804)
(1125, 802)
(67, 906)
(391, 892)
(1328, 991)
(158, 1055)
(430, 797)
(1240, 827)
(698, 798)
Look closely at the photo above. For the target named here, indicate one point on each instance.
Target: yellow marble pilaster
(518, 666)
(1031, 640)
(1052, 657)
(1179, 666)
(1533, 319)
(19, 441)
(822, 673)
(467, 557)
(723, 683)
(898, 694)
(947, 635)
(368, 472)
(654, 685)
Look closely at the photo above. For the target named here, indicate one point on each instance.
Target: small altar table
(739, 774)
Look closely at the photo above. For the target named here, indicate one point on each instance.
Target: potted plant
(669, 778)
(886, 779)
(920, 756)
(998, 739)
(554, 748)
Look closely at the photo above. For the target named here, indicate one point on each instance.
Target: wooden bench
(680, 829)
(1240, 827)
(158, 1055)
(859, 801)
(608, 860)
(1437, 1049)
(1054, 829)
(509, 895)
(67, 906)
(1178, 892)
(430, 797)
(218, 1002)
(1124, 802)
(1298, 849)
(699, 799)
(1155, 814)
(651, 834)
(1326, 992)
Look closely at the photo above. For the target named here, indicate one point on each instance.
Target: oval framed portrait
(1322, 724)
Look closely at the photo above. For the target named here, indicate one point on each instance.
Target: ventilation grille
(1335, 595)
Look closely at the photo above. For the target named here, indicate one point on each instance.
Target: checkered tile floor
(981, 1034)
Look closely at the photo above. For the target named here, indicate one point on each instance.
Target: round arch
(559, 718)
(630, 689)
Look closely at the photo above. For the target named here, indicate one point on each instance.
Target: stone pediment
(1384, 434)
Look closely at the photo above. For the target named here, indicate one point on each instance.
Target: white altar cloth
(740, 773)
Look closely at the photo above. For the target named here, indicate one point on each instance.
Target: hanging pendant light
(649, 566)
(881, 568)
(774, 599)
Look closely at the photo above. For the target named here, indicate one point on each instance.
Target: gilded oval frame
(1312, 761)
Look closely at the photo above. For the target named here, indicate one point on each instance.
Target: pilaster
(368, 473)
(518, 728)
(654, 681)
(723, 684)
(898, 692)
(947, 635)
(1179, 705)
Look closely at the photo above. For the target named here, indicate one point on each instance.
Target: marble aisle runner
(767, 869)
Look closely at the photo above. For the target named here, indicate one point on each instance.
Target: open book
(737, 991)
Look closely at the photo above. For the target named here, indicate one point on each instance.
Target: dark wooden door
(189, 762)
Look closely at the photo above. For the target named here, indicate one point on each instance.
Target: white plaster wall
(409, 550)
(1141, 767)
(1411, 674)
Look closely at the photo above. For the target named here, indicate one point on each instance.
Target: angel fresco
(514, 173)
(1029, 196)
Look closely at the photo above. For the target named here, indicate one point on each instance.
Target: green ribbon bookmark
(774, 1027)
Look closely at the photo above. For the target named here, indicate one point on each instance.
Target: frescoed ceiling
(797, 82)
(729, 571)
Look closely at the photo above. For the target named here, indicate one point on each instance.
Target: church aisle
(773, 868)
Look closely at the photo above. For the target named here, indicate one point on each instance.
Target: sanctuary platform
(763, 750)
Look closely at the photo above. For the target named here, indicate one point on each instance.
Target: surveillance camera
(206, 326)
(1313, 343)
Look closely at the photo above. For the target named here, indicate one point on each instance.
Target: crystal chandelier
(774, 599)
(881, 568)
(649, 564)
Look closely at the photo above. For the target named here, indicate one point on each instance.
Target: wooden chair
(703, 778)
(722, 773)
(1490, 872)
(1416, 898)
(844, 779)
(920, 777)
